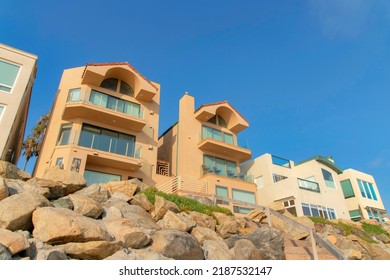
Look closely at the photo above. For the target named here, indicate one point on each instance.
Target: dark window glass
(110, 84)
(126, 89)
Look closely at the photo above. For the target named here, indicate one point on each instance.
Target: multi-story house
(362, 196)
(203, 145)
(103, 124)
(309, 188)
(17, 74)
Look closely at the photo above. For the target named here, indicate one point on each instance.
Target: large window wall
(209, 132)
(367, 190)
(318, 211)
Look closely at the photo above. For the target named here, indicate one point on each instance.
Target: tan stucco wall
(110, 163)
(13, 120)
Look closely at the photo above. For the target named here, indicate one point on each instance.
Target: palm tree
(29, 149)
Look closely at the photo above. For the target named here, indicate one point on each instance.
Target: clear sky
(312, 77)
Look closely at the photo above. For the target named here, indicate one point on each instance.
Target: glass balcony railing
(105, 101)
(308, 185)
(281, 161)
(227, 172)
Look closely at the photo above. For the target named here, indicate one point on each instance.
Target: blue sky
(311, 77)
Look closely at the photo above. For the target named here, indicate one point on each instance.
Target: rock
(59, 225)
(202, 234)
(303, 220)
(227, 228)
(332, 239)
(121, 196)
(161, 206)
(96, 192)
(141, 186)
(383, 238)
(269, 241)
(245, 250)
(277, 206)
(10, 171)
(19, 186)
(143, 254)
(4, 192)
(86, 206)
(4, 254)
(245, 231)
(177, 245)
(16, 210)
(256, 215)
(221, 217)
(63, 202)
(52, 254)
(370, 221)
(214, 251)
(92, 250)
(111, 213)
(138, 216)
(129, 236)
(35, 246)
(203, 220)
(142, 201)
(201, 199)
(71, 181)
(128, 188)
(15, 242)
(294, 232)
(353, 254)
(179, 221)
(55, 188)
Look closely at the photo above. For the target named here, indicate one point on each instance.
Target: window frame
(11, 87)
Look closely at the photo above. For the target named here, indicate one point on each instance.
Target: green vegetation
(348, 229)
(184, 203)
(374, 229)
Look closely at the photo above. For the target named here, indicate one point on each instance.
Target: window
(8, 74)
(74, 95)
(347, 188)
(318, 211)
(240, 209)
(355, 215)
(308, 185)
(2, 109)
(94, 177)
(110, 102)
(64, 136)
(244, 196)
(218, 120)
(277, 177)
(60, 162)
(289, 205)
(108, 140)
(367, 190)
(219, 166)
(75, 165)
(112, 84)
(281, 161)
(209, 132)
(329, 182)
(222, 192)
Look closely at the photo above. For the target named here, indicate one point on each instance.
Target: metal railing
(184, 184)
(233, 174)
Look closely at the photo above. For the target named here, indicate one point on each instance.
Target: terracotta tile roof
(220, 103)
(123, 63)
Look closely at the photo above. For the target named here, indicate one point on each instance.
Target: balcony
(96, 106)
(233, 173)
(308, 185)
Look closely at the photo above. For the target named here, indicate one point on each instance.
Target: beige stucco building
(362, 195)
(310, 188)
(202, 150)
(103, 124)
(17, 74)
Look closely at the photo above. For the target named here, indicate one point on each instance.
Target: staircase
(302, 250)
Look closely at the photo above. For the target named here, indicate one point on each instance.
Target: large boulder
(227, 228)
(63, 202)
(256, 215)
(277, 206)
(71, 181)
(214, 250)
(59, 225)
(293, 231)
(10, 171)
(124, 232)
(202, 234)
(221, 217)
(4, 254)
(16, 210)
(19, 186)
(179, 221)
(85, 206)
(203, 220)
(92, 250)
(128, 188)
(56, 189)
(4, 192)
(142, 201)
(269, 241)
(15, 242)
(245, 250)
(177, 245)
(161, 207)
(96, 192)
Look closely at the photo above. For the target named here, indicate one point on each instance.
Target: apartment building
(103, 124)
(308, 188)
(17, 74)
(362, 196)
(202, 150)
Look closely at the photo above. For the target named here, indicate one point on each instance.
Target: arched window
(218, 120)
(112, 84)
